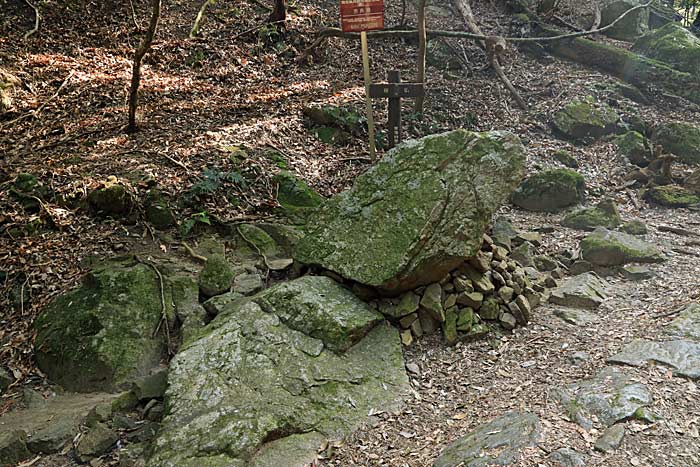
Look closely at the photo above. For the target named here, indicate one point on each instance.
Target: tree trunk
(279, 13)
(422, 47)
(136, 71)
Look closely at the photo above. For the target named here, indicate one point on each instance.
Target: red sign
(361, 15)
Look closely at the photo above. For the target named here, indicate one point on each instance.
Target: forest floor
(238, 84)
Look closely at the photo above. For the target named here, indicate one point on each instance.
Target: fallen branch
(177, 162)
(192, 253)
(200, 15)
(163, 312)
(267, 265)
(37, 18)
(133, 16)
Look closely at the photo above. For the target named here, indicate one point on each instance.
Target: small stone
(505, 294)
(481, 281)
(432, 302)
(582, 291)
(407, 304)
(406, 337)
(465, 319)
(499, 253)
(413, 368)
(635, 227)
(567, 457)
(565, 158)
(550, 282)
(481, 261)
(408, 320)
(534, 238)
(532, 297)
(611, 439)
(448, 287)
(503, 233)
(636, 272)
(472, 300)
(13, 447)
(579, 267)
(579, 357)
(508, 321)
(523, 254)
(557, 273)
(610, 248)
(462, 284)
(525, 309)
(154, 412)
(450, 301)
(216, 277)
(449, 326)
(488, 241)
(5, 380)
(489, 309)
(427, 323)
(96, 442)
(544, 263)
(575, 317)
(247, 284)
(498, 278)
(417, 328)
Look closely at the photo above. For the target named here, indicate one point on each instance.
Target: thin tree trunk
(422, 47)
(279, 13)
(466, 11)
(136, 71)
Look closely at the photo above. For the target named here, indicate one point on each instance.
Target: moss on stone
(550, 190)
(157, 210)
(605, 214)
(631, 26)
(672, 196)
(331, 135)
(566, 158)
(672, 44)
(609, 248)
(635, 147)
(112, 198)
(585, 118)
(216, 277)
(634, 227)
(681, 139)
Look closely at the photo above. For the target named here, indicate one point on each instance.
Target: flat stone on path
(583, 291)
(611, 248)
(682, 356)
(575, 317)
(611, 438)
(687, 324)
(610, 396)
(567, 457)
(497, 442)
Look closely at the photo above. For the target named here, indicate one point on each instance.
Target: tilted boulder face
(631, 26)
(609, 248)
(418, 213)
(256, 389)
(681, 139)
(98, 337)
(585, 118)
(672, 44)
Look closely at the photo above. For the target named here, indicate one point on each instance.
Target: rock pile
(491, 288)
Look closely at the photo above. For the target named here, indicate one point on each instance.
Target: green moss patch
(672, 196)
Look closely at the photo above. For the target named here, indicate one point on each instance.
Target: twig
(267, 265)
(355, 158)
(133, 16)
(192, 252)
(37, 18)
(200, 15)
(177, 162)
(597, 19)
(163, 314)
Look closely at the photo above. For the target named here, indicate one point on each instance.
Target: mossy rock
(112, 198)
(277, 392)
(550, 190)
(566, 159)
(605, 214)
(634, 227)
(672, 196)
(635, 147)
(628, 28)
(157, 210)
(216, 277)
(609, 248)
(417, 213)
(99, 336)
(297, 199)
(331, 135)
(584, 119)
(672, 44)
(681, 139)
(342, 118)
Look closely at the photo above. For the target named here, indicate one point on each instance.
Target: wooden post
(394, 90)
(370, 119)
(394, 77)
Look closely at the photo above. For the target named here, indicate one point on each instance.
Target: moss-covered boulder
(550, 190)
(331, 135)
(585, 118)
(609, 248)
(111, 198)
(634, 227)
(628, 28)
(672, 196)
(216, 277)
(672, 44)
(635, 147)
(100, 336)
(604, 214)
(295, 197)
(157, 210)
(418, 213)
(257, 390)
(681, 139)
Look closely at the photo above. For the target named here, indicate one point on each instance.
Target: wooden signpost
(394, 90)
(362, 16)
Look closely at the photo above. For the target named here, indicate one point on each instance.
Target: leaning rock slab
(610, 396)
(583, 291)
(498, 442)
(683, 356)
(255, 391)
(418, 213)
(99, 336)
(610, 248)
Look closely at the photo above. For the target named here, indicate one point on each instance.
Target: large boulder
(418, 213)
(681, 139)
(630, 27)
(585, 118)
(610, 248)
(102, 335)
(258, 389)
(672, 44)
(550, 190)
